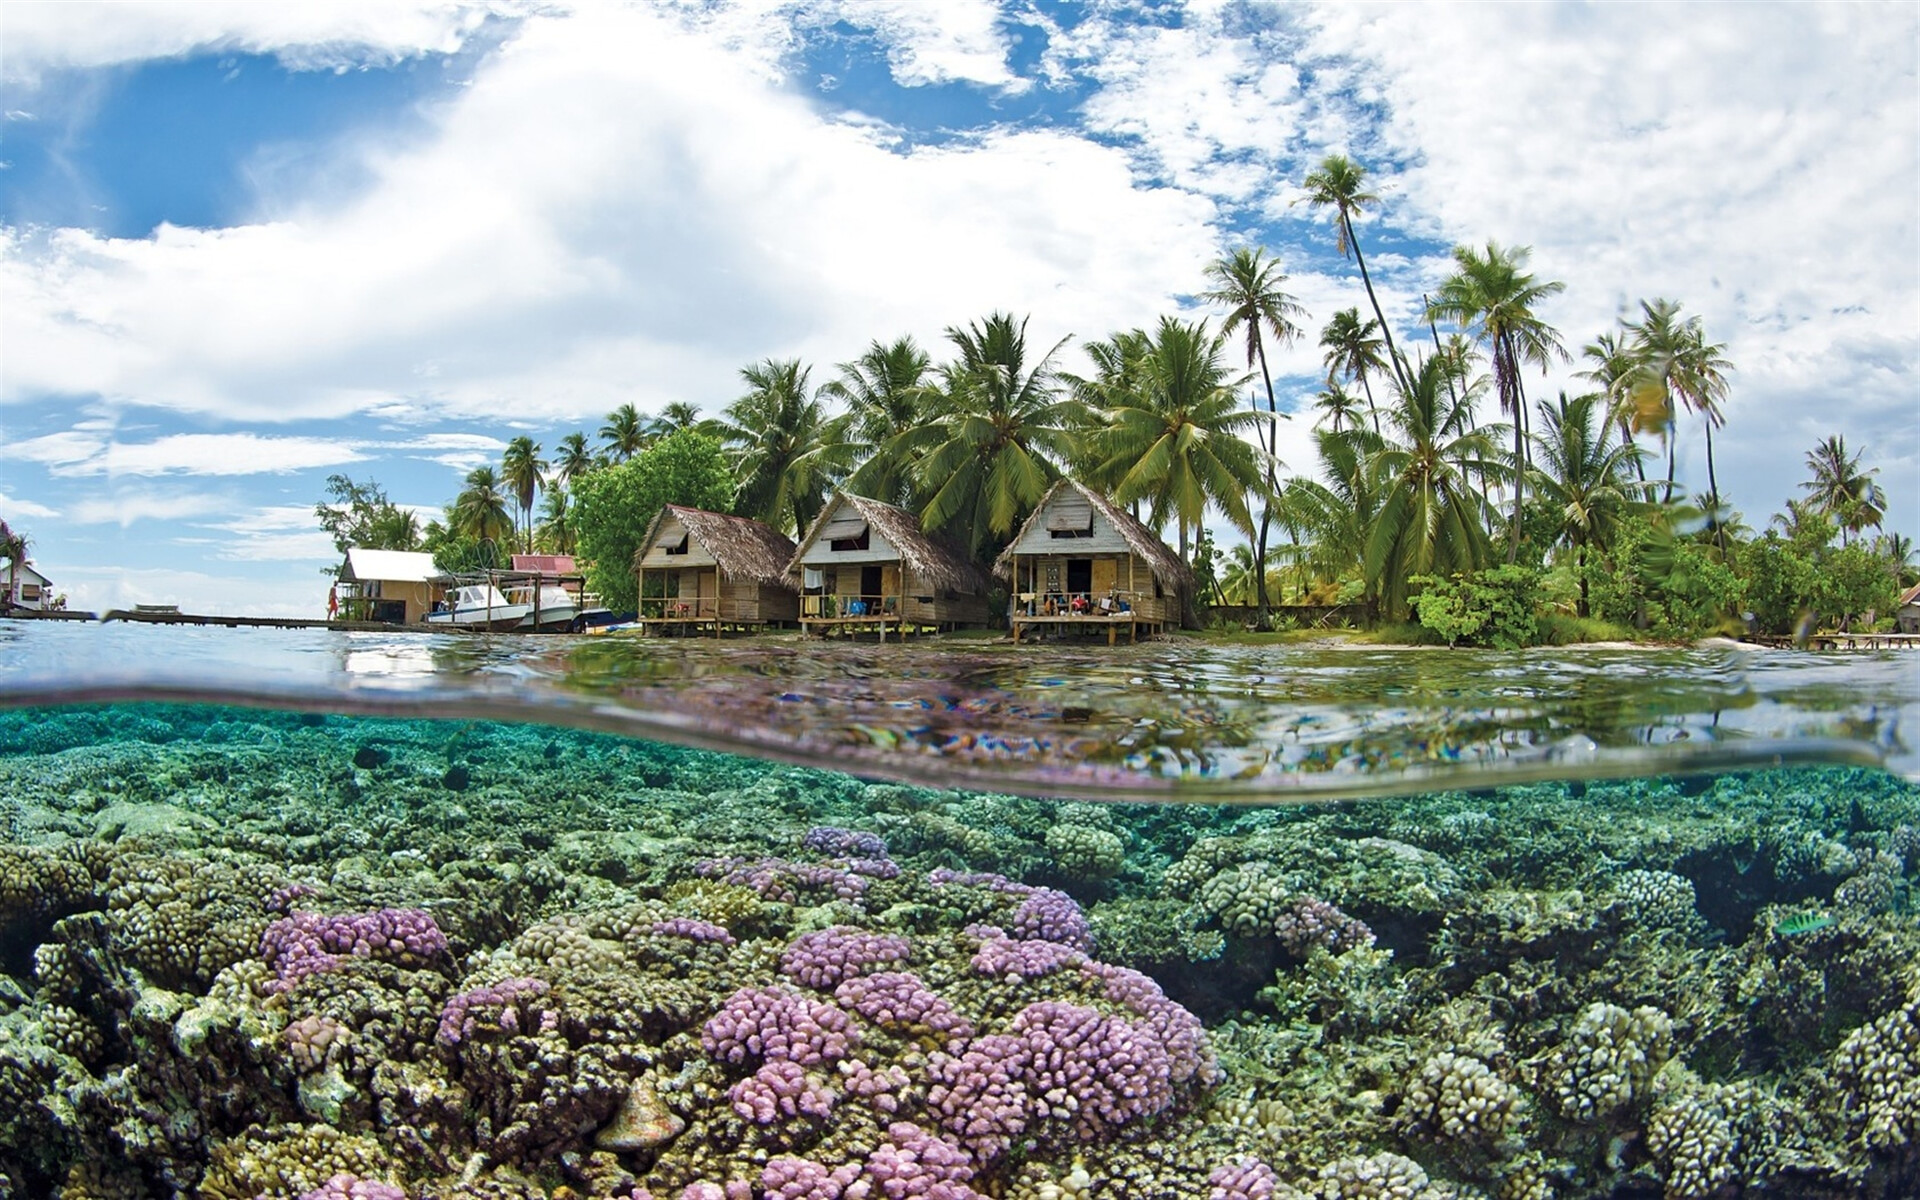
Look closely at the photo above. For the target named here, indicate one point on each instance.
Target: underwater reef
(290, 955)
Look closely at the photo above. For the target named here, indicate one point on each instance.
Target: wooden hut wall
(672, 533)
(746, 601)
(878, 550)
(1124, 571)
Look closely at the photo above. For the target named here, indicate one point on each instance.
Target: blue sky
(243, 247)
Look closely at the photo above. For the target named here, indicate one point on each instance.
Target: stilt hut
(718, 571)
(399, 587)
(866, 566)
(1082, 563)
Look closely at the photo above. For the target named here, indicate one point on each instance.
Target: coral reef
(274, 956)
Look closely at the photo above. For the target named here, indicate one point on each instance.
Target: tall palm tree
(782, 445)
(625, 433)
(1656, 343)
(999, 430)
(1340, 184)
(1428, 464)
(521, 468)
(480, 510)
(575, 459)
(886, 394)
(555, 531)
(1701, 379)
(1585, 477)
(1248, 285)
(1119, 379)
(1337, 515)
(1352, 350)
(1613, 368)
(1492, 297)
(1338, 408)
(1176, 444)
(1841, 490)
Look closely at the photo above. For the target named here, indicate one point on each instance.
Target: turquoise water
(1563, 951)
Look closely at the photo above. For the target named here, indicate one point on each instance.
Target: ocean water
(286, 914)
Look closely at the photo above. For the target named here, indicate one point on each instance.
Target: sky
(244, 247)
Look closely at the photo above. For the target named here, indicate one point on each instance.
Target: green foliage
(361, 515)
(1560, 629)
(614, 505)
(1497, 607)
(1658, 581)
(1850, 582)
(1780, 582)
(455, 552)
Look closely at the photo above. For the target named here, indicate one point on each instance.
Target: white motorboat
(479, 608)
(553, 612)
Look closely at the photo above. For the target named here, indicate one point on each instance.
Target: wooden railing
(680, 608)
(851, 605)
(1083, 604)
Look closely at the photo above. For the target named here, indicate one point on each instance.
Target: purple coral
(303, 943)
(1308, 922)
(738, 1189)
(835, 842)
(456, 1017)
(1053, 916)
(789, 1178)
(880, 1089)
(780, 1091)
(783, 881)
(825, 957)
(689, 929)
(352, 1187)
(1002, 957)
(942, 876)
(778, 1023)
(898, 1000)
(913, 1164)
(1245, 1179)
(981, 1096)
(1112, 1070)
(1177, 1030)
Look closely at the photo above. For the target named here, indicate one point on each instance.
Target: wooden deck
(1113, 623)
(47, 614)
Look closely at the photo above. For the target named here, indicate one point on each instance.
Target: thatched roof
(936, 560)
(745, 549)
(1161, 560)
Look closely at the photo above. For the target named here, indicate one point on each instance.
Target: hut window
(855, 537)
(679, 547)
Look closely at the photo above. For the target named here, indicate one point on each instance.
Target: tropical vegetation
(1438, 495)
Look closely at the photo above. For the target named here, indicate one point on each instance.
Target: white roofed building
(399, 587)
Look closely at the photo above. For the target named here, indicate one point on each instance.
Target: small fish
(1800, 923)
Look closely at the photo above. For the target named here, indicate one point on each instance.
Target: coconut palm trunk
(1386, 331)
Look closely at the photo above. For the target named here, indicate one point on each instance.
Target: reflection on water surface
(1174, 719)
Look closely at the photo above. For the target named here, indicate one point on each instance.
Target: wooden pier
(856, 625)
(46, 614)
(163, 617)
(1836, 641)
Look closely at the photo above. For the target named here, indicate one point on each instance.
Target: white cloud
(934, 43)
(126, 506)
(14, 508)
(339, 34)
(219, 454)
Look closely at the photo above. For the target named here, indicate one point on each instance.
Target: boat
(553, 611)
(478, 608)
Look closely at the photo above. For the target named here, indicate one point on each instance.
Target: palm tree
(1340, 184)
(555, 532)
(1338, 408)
(1119, 379)
(1336, 515)
(999, 430)
(625, 433)
(1584, 477)
(480, 510)
(13, 548)
(1701, 379)
(575, 459)
(1614, 367)
(1247, 283)
(521, 468)
(1492, 297)
(886, 394)
(1176, 444)
(1841, 491)
(1429, 521)
(393, 528)
(783, 446)
(1353, 351)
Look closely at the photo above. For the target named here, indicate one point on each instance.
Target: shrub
(614, 505)
(1497, 607)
